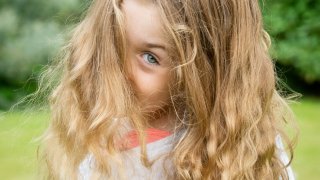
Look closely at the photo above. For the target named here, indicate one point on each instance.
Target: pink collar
(152, 135)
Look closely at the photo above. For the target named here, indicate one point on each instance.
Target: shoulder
(284, 157)
(85, 167)
(156, 152)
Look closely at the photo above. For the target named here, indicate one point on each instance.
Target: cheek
(152, 88)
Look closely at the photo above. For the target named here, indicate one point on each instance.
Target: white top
(284, 157)
(155, 151)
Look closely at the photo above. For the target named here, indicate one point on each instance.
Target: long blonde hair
(225, 88)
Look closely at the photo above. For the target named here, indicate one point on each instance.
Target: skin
(149, 63)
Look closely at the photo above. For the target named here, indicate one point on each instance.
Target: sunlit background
(32, 31)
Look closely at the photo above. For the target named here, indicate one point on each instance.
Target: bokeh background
(33, 31)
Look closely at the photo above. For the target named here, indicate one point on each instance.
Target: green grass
(18, 145)
(307, 154)
(18, 133)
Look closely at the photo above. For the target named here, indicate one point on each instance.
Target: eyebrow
(154, 45)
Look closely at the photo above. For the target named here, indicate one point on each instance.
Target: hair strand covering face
(225, 88)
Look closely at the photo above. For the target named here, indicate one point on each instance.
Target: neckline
(152, 135)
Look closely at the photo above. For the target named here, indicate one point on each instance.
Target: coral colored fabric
(152, 135)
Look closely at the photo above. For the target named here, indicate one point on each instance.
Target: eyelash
(156, 60)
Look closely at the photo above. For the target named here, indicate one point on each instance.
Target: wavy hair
(226, 88)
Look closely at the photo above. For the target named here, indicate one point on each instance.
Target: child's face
(149, 65)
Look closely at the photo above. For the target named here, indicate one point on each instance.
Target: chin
(150, 108)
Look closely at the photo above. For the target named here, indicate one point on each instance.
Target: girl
(159, 89)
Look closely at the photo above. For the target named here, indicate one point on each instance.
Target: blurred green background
(32, 31)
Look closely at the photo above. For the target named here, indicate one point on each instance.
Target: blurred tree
(31, 32)
(295, 27)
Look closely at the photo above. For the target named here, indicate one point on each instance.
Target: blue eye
(149, 58)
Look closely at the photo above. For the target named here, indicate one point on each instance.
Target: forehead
(143, 22)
